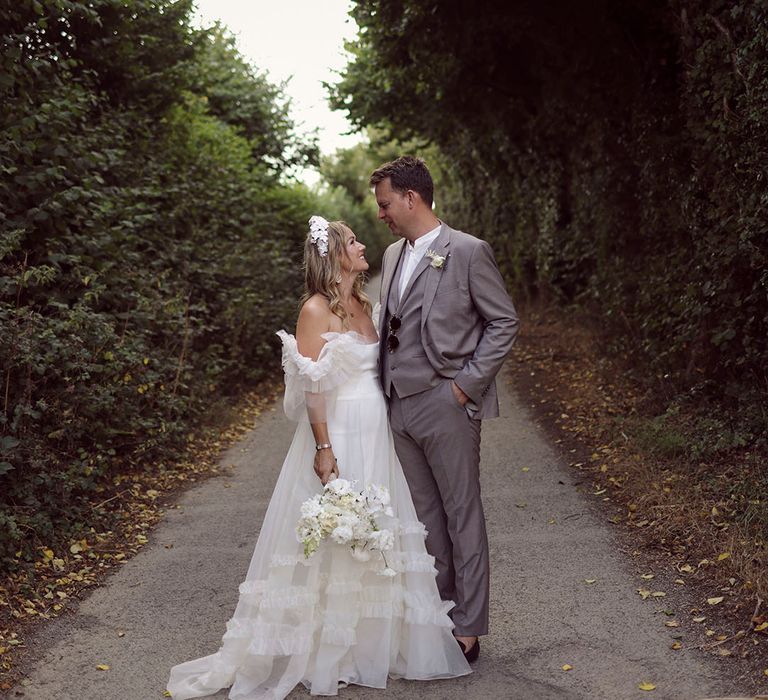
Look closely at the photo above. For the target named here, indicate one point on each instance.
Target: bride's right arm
(314, 320)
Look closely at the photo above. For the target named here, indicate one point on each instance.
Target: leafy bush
(613, 153)
(148, 245)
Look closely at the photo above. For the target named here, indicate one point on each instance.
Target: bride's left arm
(313, 322)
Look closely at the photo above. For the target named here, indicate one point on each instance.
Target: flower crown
(318, 230)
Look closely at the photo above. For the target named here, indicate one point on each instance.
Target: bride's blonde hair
(321, 272)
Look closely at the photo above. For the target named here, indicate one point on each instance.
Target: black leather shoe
(474, 651)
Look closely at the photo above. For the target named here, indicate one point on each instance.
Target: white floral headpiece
(318, 230)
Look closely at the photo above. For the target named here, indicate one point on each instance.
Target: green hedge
(148, 246)
(614, 153)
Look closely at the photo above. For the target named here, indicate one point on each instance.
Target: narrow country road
(173, 599)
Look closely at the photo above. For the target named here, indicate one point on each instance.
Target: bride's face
(354, 254)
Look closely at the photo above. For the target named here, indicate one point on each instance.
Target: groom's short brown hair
(406, 173)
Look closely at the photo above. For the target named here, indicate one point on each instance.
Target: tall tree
(612, 153)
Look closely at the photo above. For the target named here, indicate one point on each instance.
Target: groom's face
(394, 207)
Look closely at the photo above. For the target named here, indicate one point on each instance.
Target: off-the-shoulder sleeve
(317, 380)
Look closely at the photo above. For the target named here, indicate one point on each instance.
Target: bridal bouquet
(348, 517)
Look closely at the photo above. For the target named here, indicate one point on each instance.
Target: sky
(301, 41)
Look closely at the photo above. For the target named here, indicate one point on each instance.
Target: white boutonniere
(437, 260)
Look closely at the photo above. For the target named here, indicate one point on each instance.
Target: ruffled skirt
(332, 619)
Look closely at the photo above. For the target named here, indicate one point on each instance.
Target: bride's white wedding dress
(331, 620)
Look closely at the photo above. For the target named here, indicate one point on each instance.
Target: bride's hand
(325, 465)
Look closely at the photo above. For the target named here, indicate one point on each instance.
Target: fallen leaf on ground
(715, 600)
(672, 623)
(647, 685)
(567, 667)
(102, 667)
(658, 594)
(676, 645)
(722, 556)
(647, 577)
(592, 580)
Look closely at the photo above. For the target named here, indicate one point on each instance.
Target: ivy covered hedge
(148, 246)
(614, 153)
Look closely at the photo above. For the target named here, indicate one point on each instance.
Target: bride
(332, 619)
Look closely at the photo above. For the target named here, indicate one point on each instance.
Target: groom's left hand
(461, 397)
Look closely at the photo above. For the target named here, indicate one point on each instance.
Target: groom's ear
(411, 197)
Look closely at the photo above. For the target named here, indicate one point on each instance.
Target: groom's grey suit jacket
(458, 321)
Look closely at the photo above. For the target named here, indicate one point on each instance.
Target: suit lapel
(420, 267)
(388, 274)
(441, 247)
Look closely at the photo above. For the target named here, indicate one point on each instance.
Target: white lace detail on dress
(340, 360)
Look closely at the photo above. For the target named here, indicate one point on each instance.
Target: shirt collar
(423, 242)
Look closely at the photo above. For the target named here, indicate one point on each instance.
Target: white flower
(342, 534)
(387, 572)
(437, 260)
(382, 540)
(377, 494)
(340, 487)
(311, 508)
(347, 517)
(318, 230)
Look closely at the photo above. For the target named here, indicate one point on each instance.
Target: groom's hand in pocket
(461, 397)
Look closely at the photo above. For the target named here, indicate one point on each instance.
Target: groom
(446, 326)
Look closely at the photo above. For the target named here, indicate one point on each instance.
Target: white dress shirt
(414, 252)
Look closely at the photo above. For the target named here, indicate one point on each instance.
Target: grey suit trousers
(438, 445)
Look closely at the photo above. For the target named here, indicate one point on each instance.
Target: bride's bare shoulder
(316, 303)
(315, 315)
(315, 309)
(315, 318)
